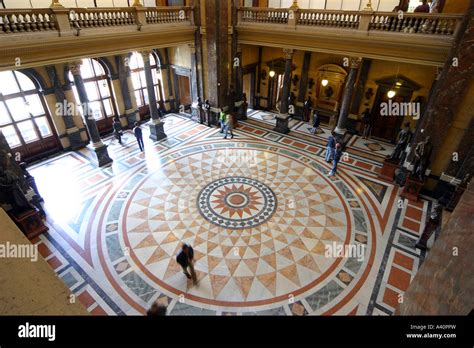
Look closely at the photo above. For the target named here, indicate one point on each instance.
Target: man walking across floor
(330, 147)
(186, 259)
(222, 118)
(117, 129)
(138, 134)
(229, 125)
(337, 158)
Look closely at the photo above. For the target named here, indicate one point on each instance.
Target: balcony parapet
(43, 36)
(368, 21)
(60, 21)
(410, 37)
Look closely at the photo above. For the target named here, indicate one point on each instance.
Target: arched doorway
(387, 127)
(24, 118)
(99, 92)
(137, 70)
(330, 81)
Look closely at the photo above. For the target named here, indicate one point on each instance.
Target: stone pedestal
(29, 222)
(157, 131)
(412, 189)
(103, 158)
(387, 173)
(282, 124)
(75, 139)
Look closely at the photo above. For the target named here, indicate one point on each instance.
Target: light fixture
(324, 82)
(272, 73)
(391, 94)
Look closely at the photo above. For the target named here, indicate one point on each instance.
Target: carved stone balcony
(409, 37)
(31, 37)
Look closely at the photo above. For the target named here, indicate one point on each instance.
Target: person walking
(337, 158)
(186, 259)
(316, 122)
(222, 118)
(229, 125)
(139, 135)
(117, 129)
(330, 147)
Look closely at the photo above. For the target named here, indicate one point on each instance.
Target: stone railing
(367, 21)
(20, 21)
(325, 18)
(165, 15)
(264, 15)
(70, 21)
(101, 17)
(415, 23)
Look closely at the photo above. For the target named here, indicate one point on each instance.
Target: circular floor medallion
(236, 202)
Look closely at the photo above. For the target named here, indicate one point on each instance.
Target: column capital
(75, 67)
(192, 47)
(146, 55)
(355, 62)
(288, 52)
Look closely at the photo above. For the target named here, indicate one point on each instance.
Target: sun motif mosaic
(237, 202)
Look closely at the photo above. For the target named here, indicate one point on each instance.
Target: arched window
(138, 78)
(98, 88)
(23, 118)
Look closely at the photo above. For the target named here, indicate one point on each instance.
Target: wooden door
(386, 127)
(184, 87)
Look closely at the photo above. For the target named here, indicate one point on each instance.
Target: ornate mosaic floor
(264, 220)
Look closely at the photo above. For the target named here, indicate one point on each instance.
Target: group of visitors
(333, 153)
(226, 121)
(433, 6)
(137, 131)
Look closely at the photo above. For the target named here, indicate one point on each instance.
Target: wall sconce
(324, 82)
(391, 94)
(272, 73)
(295, 80)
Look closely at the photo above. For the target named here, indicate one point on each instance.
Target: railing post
(61, 15)
(365, 19)
(293, 15)
(140, 15)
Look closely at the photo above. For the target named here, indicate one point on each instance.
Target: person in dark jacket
(117, 129)
(337, 158)
(330, 147)
(139, 135)
(156, 310)
(424, 7)
(316, 122)
(186, 259)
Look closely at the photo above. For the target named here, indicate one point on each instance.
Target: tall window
(23, 117)
(98, 88)
(138, 78)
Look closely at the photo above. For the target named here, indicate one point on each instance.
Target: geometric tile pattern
(117, 241)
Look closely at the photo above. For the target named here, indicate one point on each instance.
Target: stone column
(194, 73)
(347, 95)
(156, 125)
(127, 89)
(99, 147)
(72, 131)
(286, 81)
(238, 73)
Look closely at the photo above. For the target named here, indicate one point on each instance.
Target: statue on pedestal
(11, 191)
(403, 139)
(207, 112)
(307, 106)
(431, 226)
(422, 157)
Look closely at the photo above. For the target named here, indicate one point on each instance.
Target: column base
(75, 141)
(340, 131)
(157, 131)
(102, 154)
(282, 125)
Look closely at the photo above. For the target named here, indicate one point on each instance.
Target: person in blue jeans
(330, 148)
(337, 158)
(222, 119)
